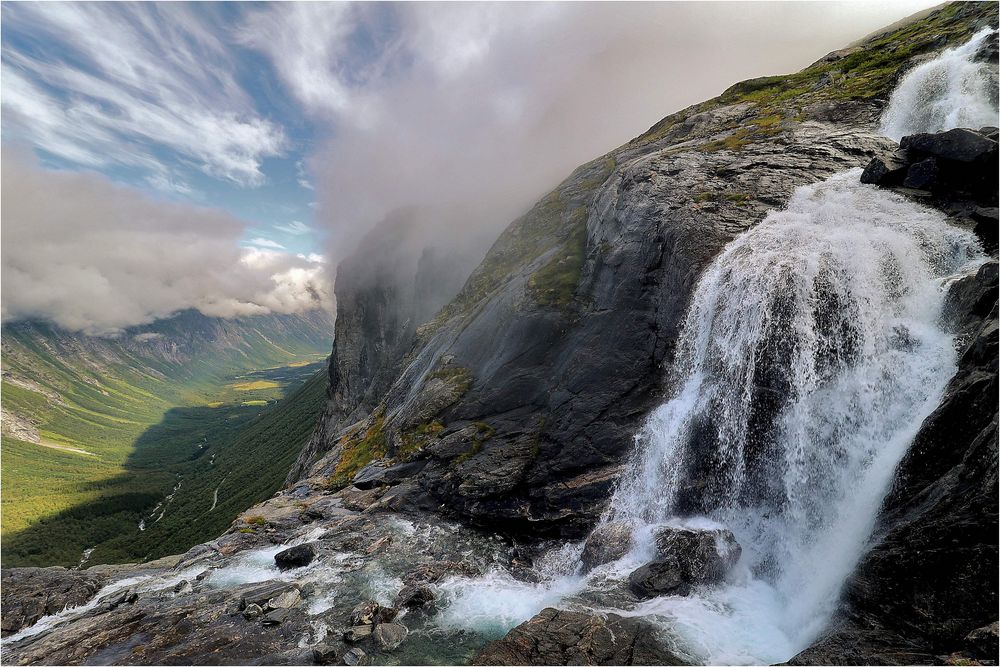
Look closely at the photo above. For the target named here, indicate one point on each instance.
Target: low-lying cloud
(93, 256)
(489, 105)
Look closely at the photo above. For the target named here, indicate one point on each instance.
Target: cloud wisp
(121, 81)
(93, 256)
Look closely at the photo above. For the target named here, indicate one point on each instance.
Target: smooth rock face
(556, 637)
(607, 543)
(28, 593)
(297, 556)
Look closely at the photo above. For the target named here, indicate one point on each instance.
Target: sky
(225, 156)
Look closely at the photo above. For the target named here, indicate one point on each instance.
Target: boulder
(607, 543)
(365, 613)
(275, 617)
(252, 612)
(557, 637)
(262, 594)
(370, 476)
(685, 558)
(297, 556)
(922, 175)
(887, 168)
(705, 555)
(357, 633)
(390, 635)
(413, 595)
(324, 654)
(957, 145)
(660, 577)
(286, 600)
(355, 656)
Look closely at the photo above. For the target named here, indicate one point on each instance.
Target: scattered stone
(355, 656)
(261, 595)
(357, 633)
(557, 637)
(413, 595)
(365, 613)
(606, 544)
(296, 556)
(378, 544)
(275, 617)
(385, 614)
(390, 635)
(286, 600)
(324, 654)
(252, 612)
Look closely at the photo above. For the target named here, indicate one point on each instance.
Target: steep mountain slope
(97, 429)
(514, 407)
(557, 344)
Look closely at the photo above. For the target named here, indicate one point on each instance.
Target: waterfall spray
(952, 90)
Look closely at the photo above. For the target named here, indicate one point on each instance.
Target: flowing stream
(952, 90)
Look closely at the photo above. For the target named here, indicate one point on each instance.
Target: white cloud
(97, 257)
(262, 242)
(131, 77)
(295, 227)
(492, 104)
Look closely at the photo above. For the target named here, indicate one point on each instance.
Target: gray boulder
(686, 558)
(607, 543)
(28, 593)
(389, 636)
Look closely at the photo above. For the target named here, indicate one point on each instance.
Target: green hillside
(98, 431)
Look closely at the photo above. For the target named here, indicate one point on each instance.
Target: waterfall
(952, 90)
(812, 350)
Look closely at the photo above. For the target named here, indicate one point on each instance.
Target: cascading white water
(952, 90)
(812, 350)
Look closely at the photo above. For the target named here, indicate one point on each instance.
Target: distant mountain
(97, 430)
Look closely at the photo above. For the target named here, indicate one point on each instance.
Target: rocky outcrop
(557, 637)
(403, 271)
(28, 593)
(955, 171)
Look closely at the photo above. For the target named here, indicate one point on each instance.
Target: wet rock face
(28, 593)
(685, 559)
(557, 637)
